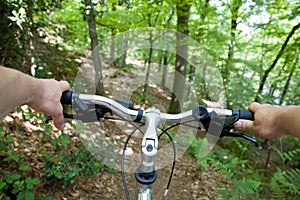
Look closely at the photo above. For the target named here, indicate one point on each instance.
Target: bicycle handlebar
(84, 105)
(245, 114)
(68, 97)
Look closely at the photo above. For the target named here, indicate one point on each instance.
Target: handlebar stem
(150, 140)
(144, 192)
(146, 174)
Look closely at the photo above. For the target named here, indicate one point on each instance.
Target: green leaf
(42, 197)
(2, 184)
(14, 157)
(27, 195)
(16, 176)
(1, 132)
(24, 167)
(21, 195)
(31, 182)
(9, 138)
(3, 146)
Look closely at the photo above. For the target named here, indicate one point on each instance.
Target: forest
(172, 54)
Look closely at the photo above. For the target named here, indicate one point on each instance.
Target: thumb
(244, 125)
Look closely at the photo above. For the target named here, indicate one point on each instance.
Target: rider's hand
(266, 123)
(46, 98)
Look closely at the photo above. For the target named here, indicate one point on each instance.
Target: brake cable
(174, 154)
(164, 131)
(122, 162)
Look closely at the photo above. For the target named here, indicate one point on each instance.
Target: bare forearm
(16, 89)
(289, 119)
(42, 95)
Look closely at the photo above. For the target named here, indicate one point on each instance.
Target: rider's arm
(42, 95)
(272, 121)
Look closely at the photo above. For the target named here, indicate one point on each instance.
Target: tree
(234, 7)
(178, 95)
(278, 56)
(90, 14)
(290, 75)
(151, 41)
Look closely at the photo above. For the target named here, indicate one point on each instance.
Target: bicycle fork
(145, 174)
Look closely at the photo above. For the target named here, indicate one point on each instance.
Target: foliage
(66, 160)
(285, 185)
(67, 165)
(241, 189)
(14, 184)
(247, 181)
(254, 44)
(232, 167)
(285, 182)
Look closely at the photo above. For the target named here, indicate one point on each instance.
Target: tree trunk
(234, 9)
(204, 10)
(272, 66)
(91, 19)
(149, 65)
(112, 46)
(160, 59)
(165, 53)
(30, 47)
(124, 50)
(178, 95)
(165, 69)
(287, 83)
(112, 49)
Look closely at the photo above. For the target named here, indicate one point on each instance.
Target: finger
(254, 106)
(238, 125)
(58, 118)
(248, 125)
(59, 122)
(64, 85)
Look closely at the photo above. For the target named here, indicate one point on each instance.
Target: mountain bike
(90, 108)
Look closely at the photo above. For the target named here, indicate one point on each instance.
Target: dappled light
(205, 58)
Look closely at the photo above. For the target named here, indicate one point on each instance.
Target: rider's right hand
(267, 122)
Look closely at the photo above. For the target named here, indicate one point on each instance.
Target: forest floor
(188, 181)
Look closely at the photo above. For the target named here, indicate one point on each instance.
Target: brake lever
(238, 134)
(66, 115)
(224, 123)
(228, 126)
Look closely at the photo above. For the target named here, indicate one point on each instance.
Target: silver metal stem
(149, 150)
(144, 192)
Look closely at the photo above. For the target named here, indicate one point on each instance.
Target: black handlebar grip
(66, 97)
(246, 114)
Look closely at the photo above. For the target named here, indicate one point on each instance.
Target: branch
(272, 66)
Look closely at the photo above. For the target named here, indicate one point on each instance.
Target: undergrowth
(243, 165)
(61, 157)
